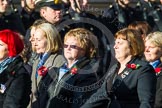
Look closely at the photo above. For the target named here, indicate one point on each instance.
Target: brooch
(2, 89)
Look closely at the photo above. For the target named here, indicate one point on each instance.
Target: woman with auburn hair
(131, 82)
(142, 26)
(15, 82)
(75, 80)
(47, 44)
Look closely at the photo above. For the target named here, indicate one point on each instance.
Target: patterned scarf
(5, 64)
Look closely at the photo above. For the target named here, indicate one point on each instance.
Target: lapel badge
(123, 75)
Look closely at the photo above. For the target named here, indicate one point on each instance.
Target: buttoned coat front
(133, 88)
(158, 98)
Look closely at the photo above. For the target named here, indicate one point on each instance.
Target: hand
(81, 4)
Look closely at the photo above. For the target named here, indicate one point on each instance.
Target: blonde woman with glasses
(76, 78)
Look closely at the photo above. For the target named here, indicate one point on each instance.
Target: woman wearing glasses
(75, 80)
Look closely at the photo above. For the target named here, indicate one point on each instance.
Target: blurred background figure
(28, 13)
(153, 12)
(78, 5)
(142, 26)
(47, 44)
(131, 83)
(50, 10)
(10, 20)
(153, 54)
(79, 72)
(15, 82)
(120, 14)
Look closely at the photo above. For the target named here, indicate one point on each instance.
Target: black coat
(133, 88)
(12, 21)
(158, 99)
(117, 17)
(18, 88)
(28, 18)
(73, 90)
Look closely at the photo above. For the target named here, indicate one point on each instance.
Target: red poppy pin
(42, 71)
(74, 70)
(133, 66)
(158, 70)
(13, 73)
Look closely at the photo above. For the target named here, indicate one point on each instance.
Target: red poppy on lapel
(13, 73)
(42, 71)
(158, 70)
(133, 66)
(74, 70)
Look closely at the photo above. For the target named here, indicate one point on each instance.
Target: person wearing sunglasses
(76, 79)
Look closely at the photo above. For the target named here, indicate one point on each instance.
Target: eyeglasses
(73, 47)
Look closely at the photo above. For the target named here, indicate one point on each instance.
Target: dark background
(94, 6)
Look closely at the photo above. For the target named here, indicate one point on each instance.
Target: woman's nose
(115, 46)
(146, 49)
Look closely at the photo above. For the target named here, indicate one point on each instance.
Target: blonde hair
(87, 40)
(134, 38)
(35, 24)
(155, 38)
(52, 35)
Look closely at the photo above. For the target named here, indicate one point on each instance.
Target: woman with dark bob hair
(15, 82)
(131, 83)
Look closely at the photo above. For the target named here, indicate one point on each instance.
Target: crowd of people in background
(56, 54)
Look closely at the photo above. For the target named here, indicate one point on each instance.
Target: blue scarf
(63, 69)
(43, 58)
(155, 63)
(5, 63)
